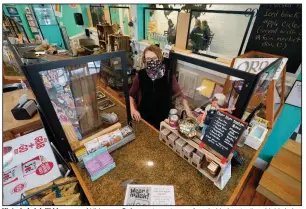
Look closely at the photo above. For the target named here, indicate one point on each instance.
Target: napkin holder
(25, 111)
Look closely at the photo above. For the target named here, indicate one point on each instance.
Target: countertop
(168, 169)
(10, 124)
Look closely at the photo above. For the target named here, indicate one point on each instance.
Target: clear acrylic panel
(208, 33)
(200, 85)
(81, 104)
(160, 26)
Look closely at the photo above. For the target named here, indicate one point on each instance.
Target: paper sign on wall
(255, 65)
(152, 27)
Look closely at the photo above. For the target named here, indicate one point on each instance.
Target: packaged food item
(68, 200)
(71, 190)
(104, 140)
(48, 199)
(115, 136)
(126, 130)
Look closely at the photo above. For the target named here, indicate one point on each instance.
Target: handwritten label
(223, 133)
(278, 30)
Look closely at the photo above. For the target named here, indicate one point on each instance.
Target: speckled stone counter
(168, 169)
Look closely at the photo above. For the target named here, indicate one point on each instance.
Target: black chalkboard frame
(246, 13)
(224, 158)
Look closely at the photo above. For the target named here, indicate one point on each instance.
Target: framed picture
(28, 11)
(16, 18)
(105, 104)
(34, 29)
(12, 10)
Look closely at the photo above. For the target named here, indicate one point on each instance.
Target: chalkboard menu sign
(278, 30)
(223, 133)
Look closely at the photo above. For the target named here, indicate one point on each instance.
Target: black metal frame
(249, 85)
(56, 131)
(110, 14)
(144, 18)
(223, 12)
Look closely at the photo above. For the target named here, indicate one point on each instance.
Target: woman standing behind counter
(152, 84)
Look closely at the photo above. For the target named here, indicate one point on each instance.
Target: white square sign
(31, 163)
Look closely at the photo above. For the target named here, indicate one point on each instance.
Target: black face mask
(155, 69)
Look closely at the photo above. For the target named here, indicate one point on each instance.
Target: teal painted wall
(84, 13)
(299, 78)
(114, 13)
(140, 20)
(68, 20)
(287, 122)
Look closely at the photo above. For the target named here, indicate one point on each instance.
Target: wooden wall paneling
(182, 30)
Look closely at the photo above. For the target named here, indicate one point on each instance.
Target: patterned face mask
(155, 69)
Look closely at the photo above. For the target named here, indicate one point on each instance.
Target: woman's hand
(135, 114)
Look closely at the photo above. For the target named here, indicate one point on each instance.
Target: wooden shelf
(207, 152)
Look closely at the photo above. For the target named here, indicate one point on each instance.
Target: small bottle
(23, 85)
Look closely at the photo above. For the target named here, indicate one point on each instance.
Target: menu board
(278, 30)
(223, 133)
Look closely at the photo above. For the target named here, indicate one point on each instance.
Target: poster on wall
(255, 65)
(17, 19)
(58, 10)
(152, 27)
(28, 162)
(12, 11)
(45, 15)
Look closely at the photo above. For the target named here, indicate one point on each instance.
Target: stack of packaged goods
(99, 163)
(63, 191)
(110, 141)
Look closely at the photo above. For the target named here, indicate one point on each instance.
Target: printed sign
(255, 65)
(33, 165)
(149, 195)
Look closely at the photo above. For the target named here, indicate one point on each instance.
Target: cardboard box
(179, 144)
(172, 139)
(33, 165)
(225, 177)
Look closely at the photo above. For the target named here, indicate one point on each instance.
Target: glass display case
(160, 25)
(209, 80)
(211, 32)
(74, 106)
(274, 97)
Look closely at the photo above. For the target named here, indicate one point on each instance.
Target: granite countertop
(168, 169)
